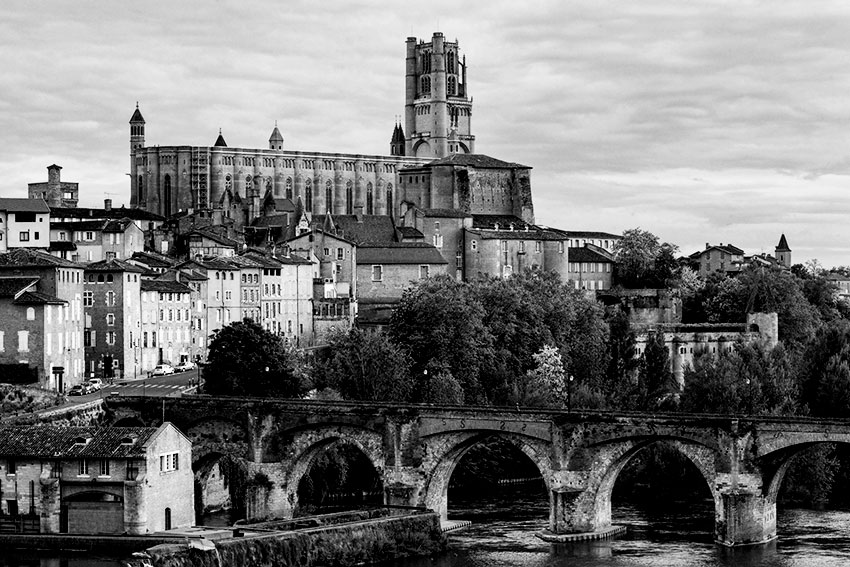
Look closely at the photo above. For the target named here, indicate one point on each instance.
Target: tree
(751, 379)
(246, 360)
(623, 360)
(643, 261)
(826, 379)
(441, 322)
(655, 379)
(546, 384)
(366, 366)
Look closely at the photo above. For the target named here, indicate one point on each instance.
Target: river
(505, 524)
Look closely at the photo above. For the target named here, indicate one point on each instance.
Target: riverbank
(384, 535)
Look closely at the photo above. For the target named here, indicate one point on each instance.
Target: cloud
(691, 119)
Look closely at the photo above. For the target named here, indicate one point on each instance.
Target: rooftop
(15, 205)
(64, 442)
(399, 253)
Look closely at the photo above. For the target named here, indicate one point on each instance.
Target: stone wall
(357, 543)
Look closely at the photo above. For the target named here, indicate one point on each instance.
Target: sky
(709, 121)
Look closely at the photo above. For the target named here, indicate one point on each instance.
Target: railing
(19, 524)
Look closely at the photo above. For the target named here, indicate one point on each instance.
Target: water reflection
(681, 534)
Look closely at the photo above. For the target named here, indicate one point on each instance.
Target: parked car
(94, 384)
(78, 390)
(185, 366)
(162, 370)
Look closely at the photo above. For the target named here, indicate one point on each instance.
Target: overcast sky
(699, 121)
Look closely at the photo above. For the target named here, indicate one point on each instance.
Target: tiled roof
(410, 232)
(14, 205)
(365, 229)
(445, 213)
(270, 220)
(118, 225)
(61, 245)
(38, 298)
(475, 160)
(783, 244)
(93, 225)
(153, 260)
(400, 253)
(113, 265)
(12, 286)
(584, 254)
(165, 286)
(60, 442)
(31, 257)
(727, 248)
(214, 237)
(533, 234)
(587, 234)
(504, 222)
(102, 214)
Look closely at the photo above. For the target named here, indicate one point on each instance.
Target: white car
(94, 384)
(162, 370)
(185, 366)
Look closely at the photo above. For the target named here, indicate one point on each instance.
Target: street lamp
(570, 393)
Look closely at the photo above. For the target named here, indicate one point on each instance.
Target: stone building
(90, 480)
(590, 267)
(112, 336)
(56, 193)
(44, 329)
(684, 342)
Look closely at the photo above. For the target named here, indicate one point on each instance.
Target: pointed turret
(397, 142)
(276, 139)
(783, 252)
(219, 142)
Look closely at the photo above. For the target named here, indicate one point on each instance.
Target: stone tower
(437, 109)
(138, 193)
(783, 253)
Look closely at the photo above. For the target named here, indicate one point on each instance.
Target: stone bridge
(415, 448)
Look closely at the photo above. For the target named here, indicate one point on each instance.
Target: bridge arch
(445, 451)
(775, 465)
(610, 459)
(218, 435)
(305, 445)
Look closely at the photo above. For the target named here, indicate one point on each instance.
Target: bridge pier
(568, 512)
(746, 518)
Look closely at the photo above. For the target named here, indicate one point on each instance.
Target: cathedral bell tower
(436, 100)
(137, 141)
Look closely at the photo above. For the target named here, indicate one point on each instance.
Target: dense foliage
(244, 359)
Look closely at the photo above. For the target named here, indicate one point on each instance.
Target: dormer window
(80, 441)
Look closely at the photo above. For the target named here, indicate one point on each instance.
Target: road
(157, 386)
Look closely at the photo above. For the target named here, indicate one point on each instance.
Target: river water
(505, 524)
(681, 535)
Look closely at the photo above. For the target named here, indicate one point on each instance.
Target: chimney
(707, 246)
(107, 204)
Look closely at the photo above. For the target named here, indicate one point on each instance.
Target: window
(474, 245)
(110, 337)
(104, 467)
(11, 467)
(88, 299)
(110, 319)
(25, 235)
(30, 314)
(538, 246)
(561, 247)
(522, 247)
(88, 338)
(423, 272)
(35, 235)
(327, 251)
(89, 236)
(83, 467)
(340, 254)
(169, 462)
(23, 341)
(227, 295)
(110, 298)
(377, 273)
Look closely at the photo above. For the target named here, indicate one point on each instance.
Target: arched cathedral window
(228, 183)
(288, 189)
(308, 196)
(369, 208)
(329, 196)
(390, 199)
(450, 65)
(452, 88)
(349, 197)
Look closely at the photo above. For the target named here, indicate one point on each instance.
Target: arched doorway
(92, 512)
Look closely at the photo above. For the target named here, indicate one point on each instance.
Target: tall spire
(219, 142)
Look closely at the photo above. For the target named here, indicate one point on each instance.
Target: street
(157, 386)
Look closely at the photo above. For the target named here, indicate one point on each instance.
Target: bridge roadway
(415, 448)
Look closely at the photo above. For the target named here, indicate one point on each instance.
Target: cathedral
(168, 179)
